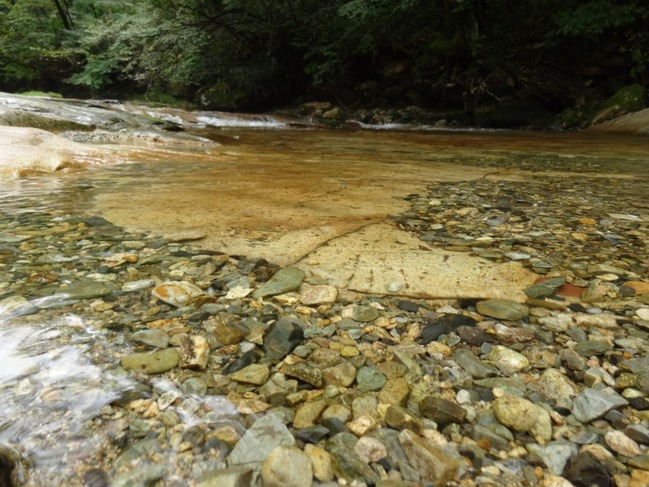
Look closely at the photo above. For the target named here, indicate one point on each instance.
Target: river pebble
(515, 412)
(622, 444)
(592, 404)
(502, 309)
(151, 362)
(177, 293)
(508, 361)
(285, 280)
(287, 466)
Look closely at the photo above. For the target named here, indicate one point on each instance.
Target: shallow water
(279, 194)
(246, 192)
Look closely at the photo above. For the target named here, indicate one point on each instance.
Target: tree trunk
(64, 15)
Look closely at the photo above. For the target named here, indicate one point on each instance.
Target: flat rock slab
(385, 260)
(28, 151)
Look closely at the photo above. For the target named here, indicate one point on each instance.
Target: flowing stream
(253, 186)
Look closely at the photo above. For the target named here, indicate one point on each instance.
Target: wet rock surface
(213, 369)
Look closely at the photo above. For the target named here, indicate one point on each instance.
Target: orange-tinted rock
(179, 293)
(640, 287)
(587, 221)
(570, 290)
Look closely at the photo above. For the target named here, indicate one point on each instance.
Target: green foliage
(606, 22)
(157, 98)
(27, 33)
(240, 54)
(97, 73)
(596, 17)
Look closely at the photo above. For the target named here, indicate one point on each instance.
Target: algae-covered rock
(17, 118)
(625, 100)
(285, 280)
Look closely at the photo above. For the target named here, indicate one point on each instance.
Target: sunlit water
(57, 371)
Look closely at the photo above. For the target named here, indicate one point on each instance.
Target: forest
(470, 58)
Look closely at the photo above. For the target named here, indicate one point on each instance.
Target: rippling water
(49, 390)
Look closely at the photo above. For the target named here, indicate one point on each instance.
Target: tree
(30, 42)
(241, 54)
(63, 10)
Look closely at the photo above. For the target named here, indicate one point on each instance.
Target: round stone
(622, 444)
(365, 313)
(287, 466)
(503, 309)
(370, 449)
(515, 412)
(369, 379)
(152, 363)
(179, 293)
(508, 361)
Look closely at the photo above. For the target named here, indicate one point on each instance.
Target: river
(336, 203)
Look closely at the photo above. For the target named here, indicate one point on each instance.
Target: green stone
(370, 379)
(545, 288)
(151, 363)
(365, 314)
(81, 289)
(284, 280)
(503, 309)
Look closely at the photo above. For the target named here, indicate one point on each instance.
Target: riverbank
(624, 112)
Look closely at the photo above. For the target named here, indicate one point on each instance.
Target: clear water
(56, 375)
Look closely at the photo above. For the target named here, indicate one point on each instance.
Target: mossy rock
(625, 100)
(575, 118)
(630, 98)
(15, 118)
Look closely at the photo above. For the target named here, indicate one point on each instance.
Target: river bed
(81, 253)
